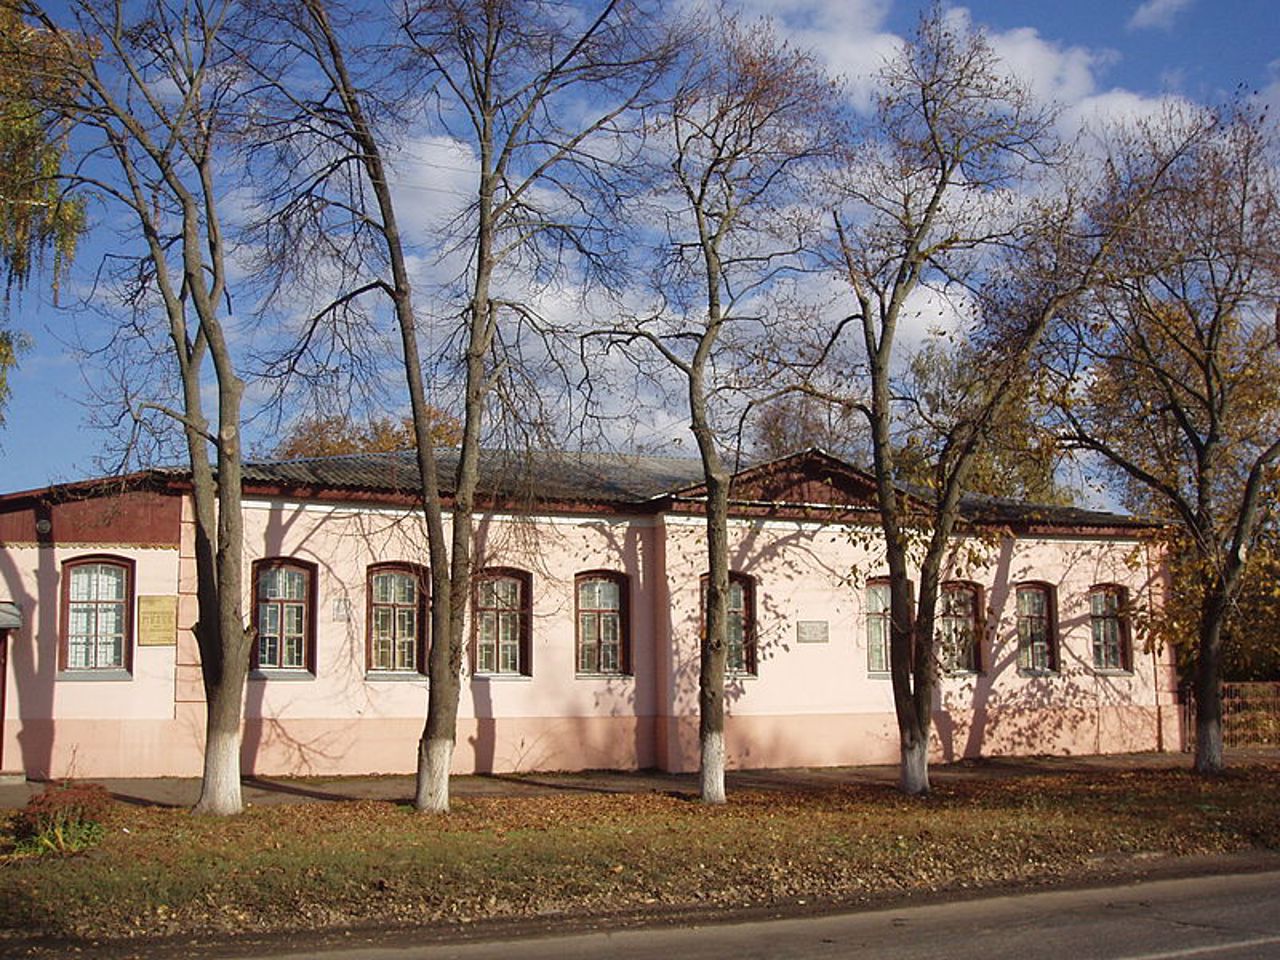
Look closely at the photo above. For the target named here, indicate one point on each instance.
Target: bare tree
(537, 95)
(749, 123)
(960, 193)
(151, 103)
(1171, 367)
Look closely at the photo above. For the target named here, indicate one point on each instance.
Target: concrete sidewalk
(183, 792)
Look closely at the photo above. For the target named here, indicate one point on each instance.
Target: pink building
(584, 624)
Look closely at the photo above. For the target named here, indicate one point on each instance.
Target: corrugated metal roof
(604, 478)
(538, 474)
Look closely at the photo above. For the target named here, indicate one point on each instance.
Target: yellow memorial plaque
(157, 621)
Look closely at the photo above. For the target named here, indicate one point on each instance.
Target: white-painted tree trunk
(220, 789)
(433, 779)
(915, 767)
(711, 775)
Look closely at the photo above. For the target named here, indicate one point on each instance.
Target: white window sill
(276, 673)
(603, 676)
(91, 676)
(395, 676)
(503, 677)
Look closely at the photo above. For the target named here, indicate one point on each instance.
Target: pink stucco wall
(810, 703)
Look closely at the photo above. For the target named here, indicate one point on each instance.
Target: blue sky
(1113, 58)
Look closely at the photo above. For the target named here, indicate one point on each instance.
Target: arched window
(284, 614)
(959, 627)
(740, 626)
(500, 625)
(397, 602)
(1037, 628)
(1109, 619)
(97, 614)
(602, 631)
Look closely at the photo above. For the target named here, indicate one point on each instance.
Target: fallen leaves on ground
(343, 865)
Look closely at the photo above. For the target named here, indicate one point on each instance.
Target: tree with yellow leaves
(1171, 369)
(36, 219)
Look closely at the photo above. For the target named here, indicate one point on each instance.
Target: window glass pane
(610, 595)
(268, 651)
(81, 583)
(957, 628)
(110, 619)
(737, 596)
(610, 628)
(295, 585)
(292, 652)
(406, 653)
(111, 582)
(588, 643)
(77, 653)
(268, 620)
(407, 622)
(507, 593)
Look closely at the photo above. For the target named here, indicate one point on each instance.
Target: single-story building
(584, 624)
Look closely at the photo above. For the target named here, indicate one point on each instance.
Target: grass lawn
(341, 865)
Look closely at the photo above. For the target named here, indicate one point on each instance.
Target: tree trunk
(220, 789)
(914, 770)
(1208, 689)
(714, 648)
(435, 758)
(711, 769)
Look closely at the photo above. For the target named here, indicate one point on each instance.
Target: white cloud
(1054, 73)
(1117, 108)
(1157, 14)
(846, 36)
(1270, 94)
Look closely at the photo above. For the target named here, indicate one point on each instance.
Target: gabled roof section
(811, 477)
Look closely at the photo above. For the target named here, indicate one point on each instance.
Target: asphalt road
(1226, 917)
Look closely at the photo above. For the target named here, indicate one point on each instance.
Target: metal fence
(1250, 715)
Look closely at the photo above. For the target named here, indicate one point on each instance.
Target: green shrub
(63, 818)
